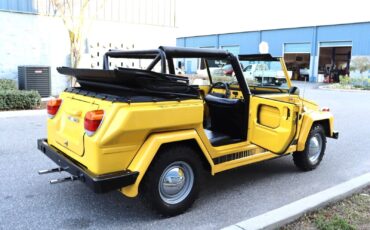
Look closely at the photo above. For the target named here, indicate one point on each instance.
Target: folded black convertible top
(132, 80)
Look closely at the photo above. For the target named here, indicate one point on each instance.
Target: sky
(201, 17)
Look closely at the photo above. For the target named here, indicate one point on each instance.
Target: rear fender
(149, 149)
(324, 118)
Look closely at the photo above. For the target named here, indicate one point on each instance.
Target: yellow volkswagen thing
(140, 127)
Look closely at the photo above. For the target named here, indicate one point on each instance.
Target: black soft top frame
(163, 53)
(137, 82)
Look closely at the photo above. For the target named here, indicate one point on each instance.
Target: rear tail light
(93, 120)
(53, 107)
(325, 109)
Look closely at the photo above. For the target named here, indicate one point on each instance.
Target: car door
(272, 123)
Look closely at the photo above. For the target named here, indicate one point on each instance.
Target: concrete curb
(290, 212)
(22, 113)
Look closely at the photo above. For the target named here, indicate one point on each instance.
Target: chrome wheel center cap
(174, 181)
(314, 145)
(314, 149)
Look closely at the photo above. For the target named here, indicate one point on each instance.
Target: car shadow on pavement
(115, 207)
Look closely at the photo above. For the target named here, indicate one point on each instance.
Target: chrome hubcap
(176, 182)
(315, 147)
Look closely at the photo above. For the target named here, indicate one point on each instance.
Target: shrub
(358, 83)
(7, 84)
(344, 80)
(19, 99)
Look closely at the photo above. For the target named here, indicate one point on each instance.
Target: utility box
(35, 78)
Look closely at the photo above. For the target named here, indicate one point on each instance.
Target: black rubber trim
(235, 156)
(98, 183)
(124, 99)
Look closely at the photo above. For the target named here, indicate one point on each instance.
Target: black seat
(218, 139)
(228, 117)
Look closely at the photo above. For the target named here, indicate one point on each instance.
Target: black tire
(306, 160)
(153, 190)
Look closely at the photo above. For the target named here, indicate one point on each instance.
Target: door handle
(287, 113)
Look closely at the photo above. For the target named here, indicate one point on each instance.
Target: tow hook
(60, 180)
(65, 179)
(46, 171)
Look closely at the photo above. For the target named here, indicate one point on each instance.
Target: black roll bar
(156, 54)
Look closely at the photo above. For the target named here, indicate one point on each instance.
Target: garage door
(336, 44)
(297, 48)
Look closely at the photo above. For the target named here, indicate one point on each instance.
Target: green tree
(361, 64)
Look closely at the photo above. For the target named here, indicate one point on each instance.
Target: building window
(149, 12)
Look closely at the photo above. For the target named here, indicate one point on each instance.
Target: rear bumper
(335, 135)
(98, 183)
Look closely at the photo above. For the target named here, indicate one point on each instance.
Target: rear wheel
(311, 156)
(171, 184)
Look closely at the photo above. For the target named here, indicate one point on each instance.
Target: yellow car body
(129, 137)
(131, 134)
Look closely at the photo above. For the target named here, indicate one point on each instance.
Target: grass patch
(334, 223)
(348, 214)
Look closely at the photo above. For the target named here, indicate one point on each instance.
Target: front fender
(149, 149)
(325, 118)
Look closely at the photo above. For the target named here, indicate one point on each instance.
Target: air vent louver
(35, 78)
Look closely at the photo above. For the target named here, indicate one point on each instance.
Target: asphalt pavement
(28, 201)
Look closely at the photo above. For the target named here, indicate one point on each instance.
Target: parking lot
(28, 201)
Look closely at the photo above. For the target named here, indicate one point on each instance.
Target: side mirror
(294, 90)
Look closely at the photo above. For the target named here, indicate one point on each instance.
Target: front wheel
(171, 184)
(311, 156)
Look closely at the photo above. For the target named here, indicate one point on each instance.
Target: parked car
(228, 70)
(153, 134)
(215, 67)
(262, 73)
